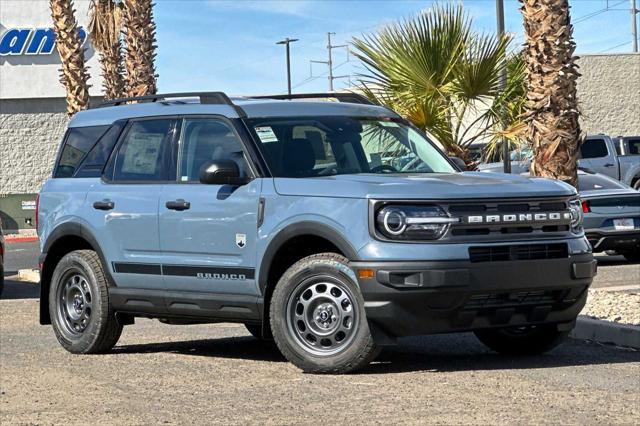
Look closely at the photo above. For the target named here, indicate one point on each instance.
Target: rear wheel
(529, 340)
(318, 319)
(82, 318)
(632, 255)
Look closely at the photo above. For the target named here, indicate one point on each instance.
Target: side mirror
(458, 162)
(221, 172)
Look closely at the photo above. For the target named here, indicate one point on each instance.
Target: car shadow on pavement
(19, 289)
(243, 347)
(462, 352)
(453, 352)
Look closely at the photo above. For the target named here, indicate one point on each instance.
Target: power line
(615, 47)
(597, 12)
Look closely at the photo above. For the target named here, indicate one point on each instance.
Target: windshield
(326, 146)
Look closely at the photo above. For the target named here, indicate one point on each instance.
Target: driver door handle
(608, 165)
(104, 205)
(178, 205)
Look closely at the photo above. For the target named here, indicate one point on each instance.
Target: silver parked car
(611, 214)
(617, 158)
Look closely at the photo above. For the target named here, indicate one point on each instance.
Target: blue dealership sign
(31, 41)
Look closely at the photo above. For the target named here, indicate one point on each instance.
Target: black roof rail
(349, 97)
(217, 98)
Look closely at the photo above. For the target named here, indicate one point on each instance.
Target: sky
(230, 45)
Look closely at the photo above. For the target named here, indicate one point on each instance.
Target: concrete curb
(588, 328)
(17, 238)
(31, 276)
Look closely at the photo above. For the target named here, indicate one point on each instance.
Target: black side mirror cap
(222, 172)
(458, 162)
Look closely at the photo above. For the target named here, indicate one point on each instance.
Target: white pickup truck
(618, 158)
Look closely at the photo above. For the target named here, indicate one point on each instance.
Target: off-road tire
(103, 330)
(360, 349)
(531, 340)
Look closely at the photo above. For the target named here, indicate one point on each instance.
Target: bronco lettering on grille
(562, 217)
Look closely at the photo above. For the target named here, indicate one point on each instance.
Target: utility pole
(634, 25)
(286, 42)
(506, 159)
(329, 61)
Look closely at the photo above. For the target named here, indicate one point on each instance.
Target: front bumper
(602, 240)
(414, 298)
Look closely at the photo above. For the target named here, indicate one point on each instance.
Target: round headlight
(413, 222)
(577, 215)
(394, 221)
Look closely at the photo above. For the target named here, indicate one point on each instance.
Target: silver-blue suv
(331, 227)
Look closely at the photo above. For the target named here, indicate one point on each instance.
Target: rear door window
(96, 158)
(144, 153)
(594, 148)
(78, 142)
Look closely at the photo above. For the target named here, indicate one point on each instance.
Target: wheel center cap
(324, 316)
(77, 304)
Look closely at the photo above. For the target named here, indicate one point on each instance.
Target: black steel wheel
(318, 319)
(82, 318)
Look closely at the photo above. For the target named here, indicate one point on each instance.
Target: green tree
(445, 78)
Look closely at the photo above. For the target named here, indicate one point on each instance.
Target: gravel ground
(617, 306)
(218, 374)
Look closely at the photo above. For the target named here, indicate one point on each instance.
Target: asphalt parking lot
(219, 374)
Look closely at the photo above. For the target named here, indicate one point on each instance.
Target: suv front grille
(501, 231)
(493, 300)
(518, 252)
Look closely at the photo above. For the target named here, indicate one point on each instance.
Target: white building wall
(37, 76)
(609, 94)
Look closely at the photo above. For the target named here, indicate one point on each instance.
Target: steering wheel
(384, 167)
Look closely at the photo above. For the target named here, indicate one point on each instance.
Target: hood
(436, 186)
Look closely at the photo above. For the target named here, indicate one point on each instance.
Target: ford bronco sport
(331, 227)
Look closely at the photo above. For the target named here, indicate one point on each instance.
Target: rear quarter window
(77, 143)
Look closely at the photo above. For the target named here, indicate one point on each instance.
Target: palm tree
(140, 38)
(105, 18)
(443, 77)
(551, 109)
(73, 74)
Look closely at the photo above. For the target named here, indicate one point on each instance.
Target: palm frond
(434, 70)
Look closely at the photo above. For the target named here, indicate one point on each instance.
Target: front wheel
(82, 318)
(318, 318)
(528, 340)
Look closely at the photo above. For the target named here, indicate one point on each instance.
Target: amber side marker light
(365, 273)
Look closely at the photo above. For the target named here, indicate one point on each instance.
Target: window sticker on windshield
(389, 124)
(265, 133)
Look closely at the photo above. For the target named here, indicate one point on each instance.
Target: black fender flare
(317, 229)
(61, 231)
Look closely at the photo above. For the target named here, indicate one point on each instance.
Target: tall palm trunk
(104, 30)
(73, 74)
(551, 109)
(140, 32)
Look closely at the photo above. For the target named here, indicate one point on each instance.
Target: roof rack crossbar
(217, 98)
(349, 97)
